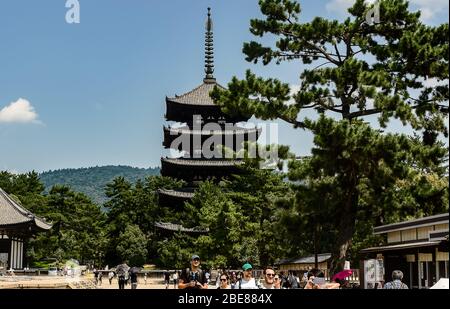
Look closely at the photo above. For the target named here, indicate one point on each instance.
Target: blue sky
(88, 94)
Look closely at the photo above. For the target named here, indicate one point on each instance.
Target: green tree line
(92, 181)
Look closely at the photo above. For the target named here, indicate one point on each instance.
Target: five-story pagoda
(204, 132)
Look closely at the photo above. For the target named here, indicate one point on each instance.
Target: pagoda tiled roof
(175, 193)
(179, 228)
(202, 162)
(234, 131)
(198, 96)
(11, 214)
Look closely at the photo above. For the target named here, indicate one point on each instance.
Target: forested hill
(92, 181)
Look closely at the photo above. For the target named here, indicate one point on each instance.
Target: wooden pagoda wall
(12, 249)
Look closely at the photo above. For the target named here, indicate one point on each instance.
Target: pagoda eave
(174, 198)
(233, 131)
(174, 228)
(184, 113)
(230, 138)
(198, 169)
(201, 163)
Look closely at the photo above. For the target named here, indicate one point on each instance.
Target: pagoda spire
(209, 50)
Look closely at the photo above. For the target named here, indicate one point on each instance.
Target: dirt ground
(49, 282)
(151, 284)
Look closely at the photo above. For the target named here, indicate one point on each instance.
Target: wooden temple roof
(175, 198)
(198, 96)
(14, 215)
(179, 228)
(192, 170)
(202, 162)
(191, 141)
(234, 131)
(177, 194)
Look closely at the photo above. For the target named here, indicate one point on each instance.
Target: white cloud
(294, 90)
(430, 8)
(20, 111)
(341, 6)
(433, 82)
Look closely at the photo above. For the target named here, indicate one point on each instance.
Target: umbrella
(441, 284)
(135, 270)
(342, 275)
(122, 269)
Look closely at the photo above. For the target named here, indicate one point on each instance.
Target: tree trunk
(316, 245)
(346, 229)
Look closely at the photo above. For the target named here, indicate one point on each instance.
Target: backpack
(121, 273)
(237, 285)
(198, 278)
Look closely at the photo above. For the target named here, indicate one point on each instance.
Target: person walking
(208, 276)
(175, 279)
(167, 279)
(233, 280)
(100, 277)
(294, 281)
(122, 272)
(316, 280)
(285, 284)
(95, 272)
(134, 271)
(223, 278)
(247, 281)
(396, 283)
(110, 277)
(268, 282)
(277, 282)
(193, 277)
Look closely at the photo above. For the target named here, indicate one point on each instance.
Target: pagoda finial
(209, 50)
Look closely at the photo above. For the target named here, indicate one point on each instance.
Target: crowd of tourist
(195, 278)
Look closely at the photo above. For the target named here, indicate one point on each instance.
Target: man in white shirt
(247, 281)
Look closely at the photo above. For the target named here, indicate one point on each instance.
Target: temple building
(419, 248)
(16, 225)
(201, 134)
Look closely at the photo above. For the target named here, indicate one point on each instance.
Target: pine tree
(395, 68)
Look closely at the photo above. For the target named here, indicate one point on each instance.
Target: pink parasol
(342, 275)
